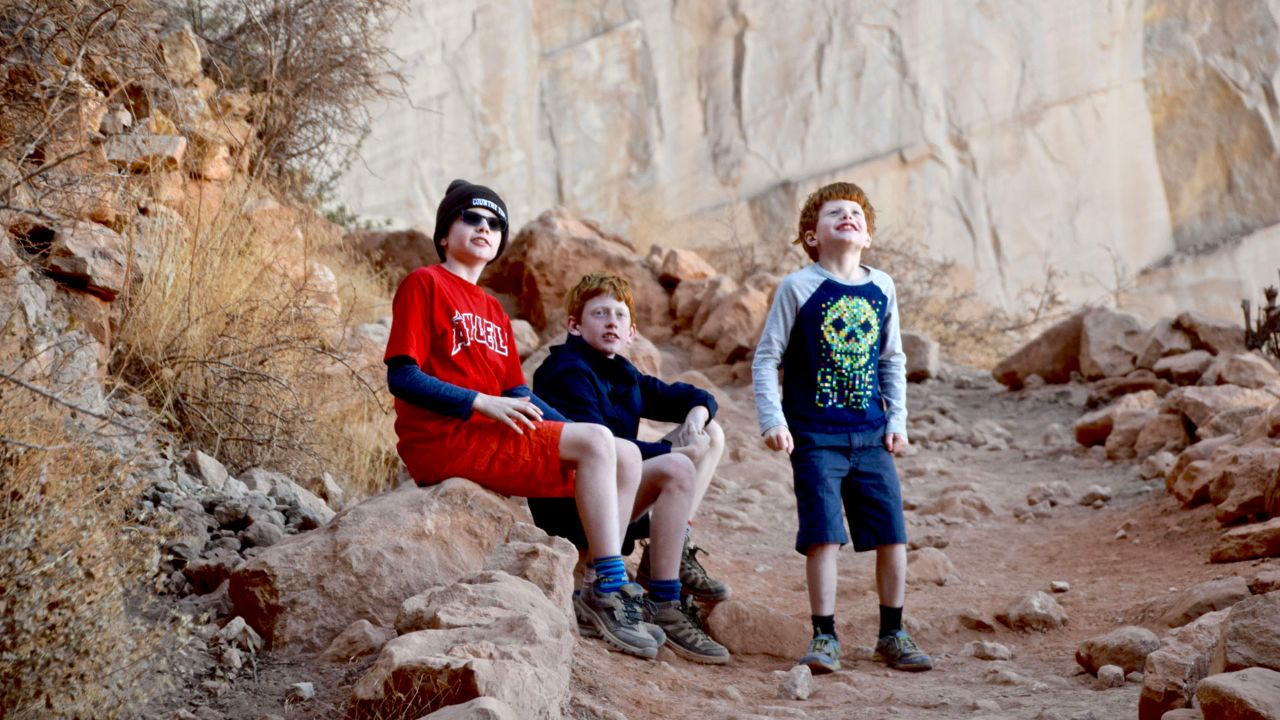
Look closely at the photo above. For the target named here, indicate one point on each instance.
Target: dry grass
(233, 335)
(75, 559)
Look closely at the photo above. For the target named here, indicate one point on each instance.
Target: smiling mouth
(611, 336)
(846, 226)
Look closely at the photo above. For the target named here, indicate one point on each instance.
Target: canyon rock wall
(1096, 138)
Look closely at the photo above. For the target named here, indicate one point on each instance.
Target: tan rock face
(141, 153)
(1217, 336)
(1249, 370)
(301, 593)
(1183, 369)
(1217, 61)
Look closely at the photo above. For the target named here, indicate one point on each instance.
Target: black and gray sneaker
(693, 577)
(587, 628)
(685, 635)
(619, 618)
(900, 652)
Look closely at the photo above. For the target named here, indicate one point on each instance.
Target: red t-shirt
(456, 332)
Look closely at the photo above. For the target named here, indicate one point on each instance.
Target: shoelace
(695, 567)
(632, 609)
(824, 645)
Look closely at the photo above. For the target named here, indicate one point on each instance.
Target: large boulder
(923, 356)
(1217, 336)
(1249, 370)
(1126, 647)
(1248, 542)
(551, 254)
(746, 627)
(1250, 635)
(1242, 482)
(1183, 369)
(1054, 355)
(1205, 597)
(1189, 479)
(545, 560)
(1250, 694)
(1093, 428)
(301, 593)
(1162, 340)
(1171, 673)
(1201, 403)
(491, 634)
(680, 265)
(733, 326)
(1110, 342)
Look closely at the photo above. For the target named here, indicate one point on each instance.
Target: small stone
(1134, 677)
(233, 658)
(797, 683)
(1060, 586)
(1094, 494)
(301, 692)
(984, 650)
(1121, 534)
(1110, 676)
(730, 693)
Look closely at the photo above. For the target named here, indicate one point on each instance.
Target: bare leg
(820, 569)
(591, 449)
(629, 469)
(666, 490)
(891, 574)
(706, 464)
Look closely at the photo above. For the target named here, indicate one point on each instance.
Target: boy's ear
(573, 326)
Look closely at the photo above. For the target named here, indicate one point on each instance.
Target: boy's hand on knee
(512, 412)
(778, 437)
(895, 443)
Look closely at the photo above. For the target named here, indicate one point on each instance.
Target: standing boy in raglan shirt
(463, 408)
(841, 415)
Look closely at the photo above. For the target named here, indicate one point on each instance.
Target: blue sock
(611, 574)
(664, 590)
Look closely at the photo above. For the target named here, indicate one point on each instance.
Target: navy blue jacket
(586, 386)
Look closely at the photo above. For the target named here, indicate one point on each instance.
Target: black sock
(890, 620)
(824, 625)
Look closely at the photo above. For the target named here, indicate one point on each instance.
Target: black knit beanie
(460, 196)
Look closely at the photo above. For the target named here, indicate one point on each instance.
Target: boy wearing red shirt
(463, 408)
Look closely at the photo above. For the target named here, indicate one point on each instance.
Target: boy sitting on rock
(841, 415)
(463, 409)
(587, 380)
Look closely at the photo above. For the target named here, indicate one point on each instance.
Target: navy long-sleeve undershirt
(409, 383)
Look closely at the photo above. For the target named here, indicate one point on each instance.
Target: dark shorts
(850, 469)
(559, 516)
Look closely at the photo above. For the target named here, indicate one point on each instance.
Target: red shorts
(493, 456)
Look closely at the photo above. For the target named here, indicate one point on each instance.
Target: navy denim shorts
(855, 468)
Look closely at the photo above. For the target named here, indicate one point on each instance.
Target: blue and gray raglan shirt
(841, 351)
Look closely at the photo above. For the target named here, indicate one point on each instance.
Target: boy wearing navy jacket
(587, 380)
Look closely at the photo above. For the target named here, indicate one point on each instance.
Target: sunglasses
(475, 220)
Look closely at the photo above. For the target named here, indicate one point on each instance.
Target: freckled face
(606, 325)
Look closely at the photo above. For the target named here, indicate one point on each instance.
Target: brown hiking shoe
(693, 577)
(685, 636)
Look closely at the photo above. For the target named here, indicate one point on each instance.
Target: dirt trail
(747, 524)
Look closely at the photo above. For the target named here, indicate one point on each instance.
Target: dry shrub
(233, 337)
(937, 299)
(315, 66)
(74, 563)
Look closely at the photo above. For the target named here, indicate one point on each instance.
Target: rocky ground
(1124, 559)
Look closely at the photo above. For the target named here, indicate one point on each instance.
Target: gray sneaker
(587, 628)
(619, 618)
(685, 636)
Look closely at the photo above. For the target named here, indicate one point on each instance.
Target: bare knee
(587, 442)
(675, 471)
(717, 435)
